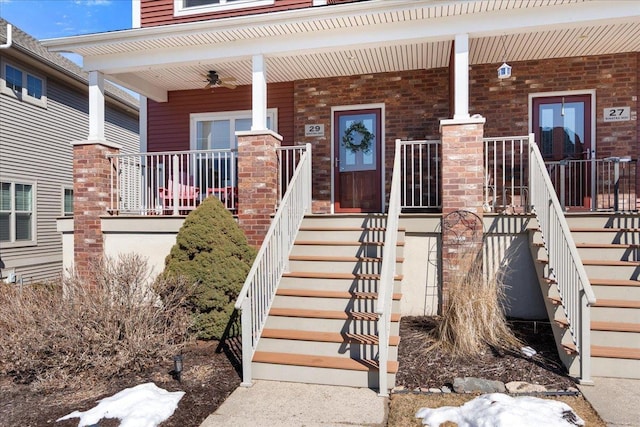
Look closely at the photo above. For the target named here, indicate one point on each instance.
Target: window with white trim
(16, 212)
(191, 7)
(22, 84)
(67, 201)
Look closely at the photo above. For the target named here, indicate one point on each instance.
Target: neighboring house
(460, 84)
(44, 105)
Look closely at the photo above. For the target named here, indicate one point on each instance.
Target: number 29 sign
(617, 114)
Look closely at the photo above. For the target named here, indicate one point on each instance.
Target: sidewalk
(273, 403)
(616, 400)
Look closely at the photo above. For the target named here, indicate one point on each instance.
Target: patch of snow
(145, 405)
(528, 351)
(500, 410)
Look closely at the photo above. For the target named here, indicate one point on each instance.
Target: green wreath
(367, 137)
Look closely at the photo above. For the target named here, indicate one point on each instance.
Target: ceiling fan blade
(227, 79)
(227, 85)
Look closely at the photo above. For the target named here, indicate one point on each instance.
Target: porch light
(504, 72)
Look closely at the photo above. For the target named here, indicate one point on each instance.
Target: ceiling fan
(214, 80)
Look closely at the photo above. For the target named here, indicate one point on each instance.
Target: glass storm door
(357, 170)
(562, 127)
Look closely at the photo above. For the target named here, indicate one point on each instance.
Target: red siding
(160, 12)
(168, 122)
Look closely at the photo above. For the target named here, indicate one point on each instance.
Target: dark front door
(357, 160)
(562, 127)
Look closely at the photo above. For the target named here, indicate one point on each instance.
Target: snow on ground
(500, 410)
(145, 405)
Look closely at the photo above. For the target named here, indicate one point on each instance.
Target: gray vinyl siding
(35, 147)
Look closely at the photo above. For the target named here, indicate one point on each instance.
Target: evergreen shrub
(212, 251)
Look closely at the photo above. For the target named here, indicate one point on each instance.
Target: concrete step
(341, 248)
(615, 334)
(319, 369)
(330, 300)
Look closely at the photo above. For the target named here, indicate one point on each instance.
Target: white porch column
(96, 106)
(259, 94)
(461, 76)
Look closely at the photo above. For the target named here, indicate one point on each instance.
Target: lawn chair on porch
(183, 196)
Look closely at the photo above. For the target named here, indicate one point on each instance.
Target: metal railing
(288, 159)
(564, 264)
(505, 179)
(259, 288)
(172, 183)
(420, 174)
(388, 272)
(607, 184)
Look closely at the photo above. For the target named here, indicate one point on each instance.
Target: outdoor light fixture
(504, 72)
(177, 367)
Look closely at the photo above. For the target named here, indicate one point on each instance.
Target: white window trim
(272, 113)
(180, 10)
(23, 96)
(12, 243)
(594, 115)
(63, 212)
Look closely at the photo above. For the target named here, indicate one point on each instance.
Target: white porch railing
(259, 288)
(564, 266)
(388, 272)
(288, 159)
(420, 162)
(505, 180)
(172, 183)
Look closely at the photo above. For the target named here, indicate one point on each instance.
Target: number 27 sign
(617, 114)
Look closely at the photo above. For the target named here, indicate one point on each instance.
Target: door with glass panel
(357, 161)
(562, 128)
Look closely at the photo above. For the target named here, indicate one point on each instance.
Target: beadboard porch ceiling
(356, 38)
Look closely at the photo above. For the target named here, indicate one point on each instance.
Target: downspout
(7, 45)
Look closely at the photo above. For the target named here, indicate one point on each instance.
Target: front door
(357, 160)
(562, 127)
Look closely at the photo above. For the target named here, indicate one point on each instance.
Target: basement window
(192, 7)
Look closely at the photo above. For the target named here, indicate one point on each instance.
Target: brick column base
(462, 198)
(257, 182)
(91, 198)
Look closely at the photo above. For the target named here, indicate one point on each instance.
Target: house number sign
(617, 114)
(314, 130)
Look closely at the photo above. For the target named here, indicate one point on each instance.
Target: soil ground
(211, 373)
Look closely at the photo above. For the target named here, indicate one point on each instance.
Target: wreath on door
(348, 139)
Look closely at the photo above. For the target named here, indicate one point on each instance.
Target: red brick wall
(504, 103)
(415, 102)
(168, 122)
(91, 198)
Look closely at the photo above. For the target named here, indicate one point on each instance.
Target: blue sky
(45, 19)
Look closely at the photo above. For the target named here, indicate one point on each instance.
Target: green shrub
(212, 251)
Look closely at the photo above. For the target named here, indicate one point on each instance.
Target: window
(67, 202)
(191, 7)
(16, 212)
(22, 85)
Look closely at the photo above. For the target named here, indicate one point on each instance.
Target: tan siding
(35, 147)
(160, 12)
(168, 123)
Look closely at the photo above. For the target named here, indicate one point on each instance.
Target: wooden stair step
(323, 275)
(613, 282)
(331, 294)
(321, 361)
(608, 245)
(615, 326)
(337, 258)
(555, 300)
(605, 229)
(610, 263)
(328, 314)
(339, 243)
(615, 352)
(352, 228)
(616, 303)
(336, 337)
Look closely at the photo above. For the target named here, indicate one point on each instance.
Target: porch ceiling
(350, 39)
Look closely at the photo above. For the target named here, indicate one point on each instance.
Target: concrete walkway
(273, 403)
(616, 400)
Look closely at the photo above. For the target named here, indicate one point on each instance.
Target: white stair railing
(565, 265)
(387, 273)
(259, 288)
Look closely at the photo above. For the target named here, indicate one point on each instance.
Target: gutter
(7, 45)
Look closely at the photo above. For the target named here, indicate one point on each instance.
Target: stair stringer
(555, 311)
